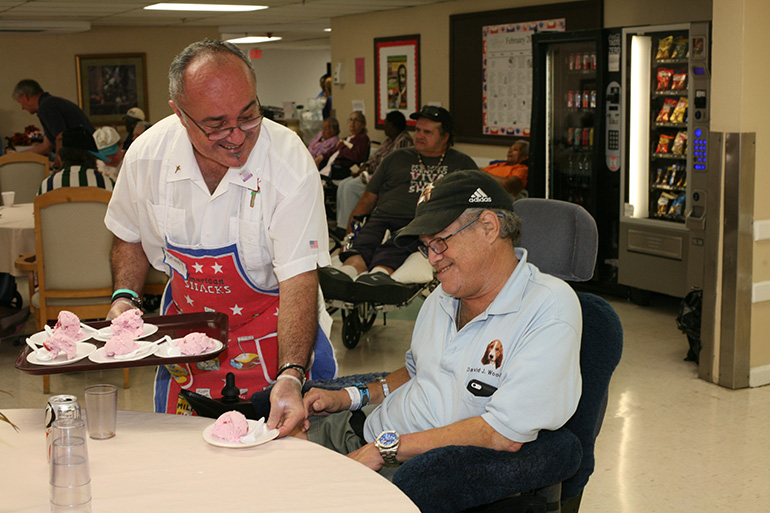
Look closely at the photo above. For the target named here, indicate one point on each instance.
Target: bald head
(203, 56)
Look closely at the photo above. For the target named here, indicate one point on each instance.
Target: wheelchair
(360, 301)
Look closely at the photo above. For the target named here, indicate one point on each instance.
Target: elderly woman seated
(354, 149)
(326, 139)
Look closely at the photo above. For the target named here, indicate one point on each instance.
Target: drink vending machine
(665, 112)
(576, 129)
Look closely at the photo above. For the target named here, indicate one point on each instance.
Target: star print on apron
(216, 281)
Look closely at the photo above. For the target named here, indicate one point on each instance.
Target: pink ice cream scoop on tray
(195, 343)
(120, 344)
(129, 323)
(61, 342)
(69, 324)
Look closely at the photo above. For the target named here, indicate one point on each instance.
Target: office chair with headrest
(23, 173)
(561, 239)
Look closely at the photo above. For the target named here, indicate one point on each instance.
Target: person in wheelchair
(354, 149)
(495, 351)
(351, 188)
(392, 193)
(512, 172)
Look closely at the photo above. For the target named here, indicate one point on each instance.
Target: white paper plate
(84, 349)
(145, 350)
(105, 333)
(164, 347)
(264, 435)
(40, 337)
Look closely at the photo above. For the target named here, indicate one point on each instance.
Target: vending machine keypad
(700, 150)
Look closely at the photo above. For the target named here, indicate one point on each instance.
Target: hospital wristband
(355, 398)
(289, 376)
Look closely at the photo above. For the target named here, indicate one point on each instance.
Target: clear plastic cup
(70, 476)
(101, 410)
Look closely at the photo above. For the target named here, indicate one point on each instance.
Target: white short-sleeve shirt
(537, 320)
(272, 207)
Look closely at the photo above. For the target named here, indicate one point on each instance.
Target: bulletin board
(474, 37)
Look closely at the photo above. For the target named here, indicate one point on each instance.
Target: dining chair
(23, 173)
(72, 259)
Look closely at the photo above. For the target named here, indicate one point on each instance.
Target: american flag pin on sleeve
(314, 244)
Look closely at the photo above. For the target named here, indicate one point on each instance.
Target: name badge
(175, 263)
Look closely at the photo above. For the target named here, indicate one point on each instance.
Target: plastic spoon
(40, 353)
(141, 349)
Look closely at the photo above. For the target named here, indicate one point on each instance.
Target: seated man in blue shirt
(495, 350)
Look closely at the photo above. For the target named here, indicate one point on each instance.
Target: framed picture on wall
(396, 76)
(110, 84)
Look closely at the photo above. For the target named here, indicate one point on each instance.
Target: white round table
(159, 462)
(17, 235)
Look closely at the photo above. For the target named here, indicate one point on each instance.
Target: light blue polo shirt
(538, 322)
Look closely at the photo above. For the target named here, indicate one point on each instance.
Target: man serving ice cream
(229, 204)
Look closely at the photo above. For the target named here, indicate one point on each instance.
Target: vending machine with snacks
(576, 130)
(665, 115)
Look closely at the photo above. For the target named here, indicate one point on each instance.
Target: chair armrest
(455, 478)
(26, 262)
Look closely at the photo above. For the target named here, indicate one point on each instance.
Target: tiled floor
(670, 441)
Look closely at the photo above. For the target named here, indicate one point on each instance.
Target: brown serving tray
(213, 324)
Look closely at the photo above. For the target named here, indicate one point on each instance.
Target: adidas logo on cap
(479, 197)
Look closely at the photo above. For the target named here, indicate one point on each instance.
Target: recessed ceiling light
(327, 30)
(253, 39)
(204, 7)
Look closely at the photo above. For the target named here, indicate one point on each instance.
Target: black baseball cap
(439, 114)
(443, 201)
(80, 138)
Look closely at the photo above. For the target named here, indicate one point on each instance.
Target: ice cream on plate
(231, 426)
(195, 343)
(120, 344)
(61, 342)
(129, 322)
(69, 324)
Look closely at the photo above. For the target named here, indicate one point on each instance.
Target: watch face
(388, 438)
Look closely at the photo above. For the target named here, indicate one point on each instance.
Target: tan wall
(50, 59)
(741, 86)
(353, 36)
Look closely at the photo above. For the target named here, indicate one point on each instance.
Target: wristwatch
(387, 443)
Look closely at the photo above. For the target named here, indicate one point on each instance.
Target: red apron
(216, 281)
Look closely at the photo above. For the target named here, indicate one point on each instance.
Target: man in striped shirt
(78, 154)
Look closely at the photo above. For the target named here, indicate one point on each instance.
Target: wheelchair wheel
(367, 314)
(351, 329)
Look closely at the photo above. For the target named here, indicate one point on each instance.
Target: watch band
(130, 295)
(296, 366)
(385, 387)
(389, 451)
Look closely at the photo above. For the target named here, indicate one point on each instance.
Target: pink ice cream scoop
(231, 426)
(120, 344)
(129, 322)
(196, 343)
(59, 342)
(69, 324)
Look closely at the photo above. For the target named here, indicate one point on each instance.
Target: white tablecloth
(17, 235)
(160, 463)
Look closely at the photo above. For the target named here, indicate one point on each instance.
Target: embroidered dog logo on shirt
(493, 354)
